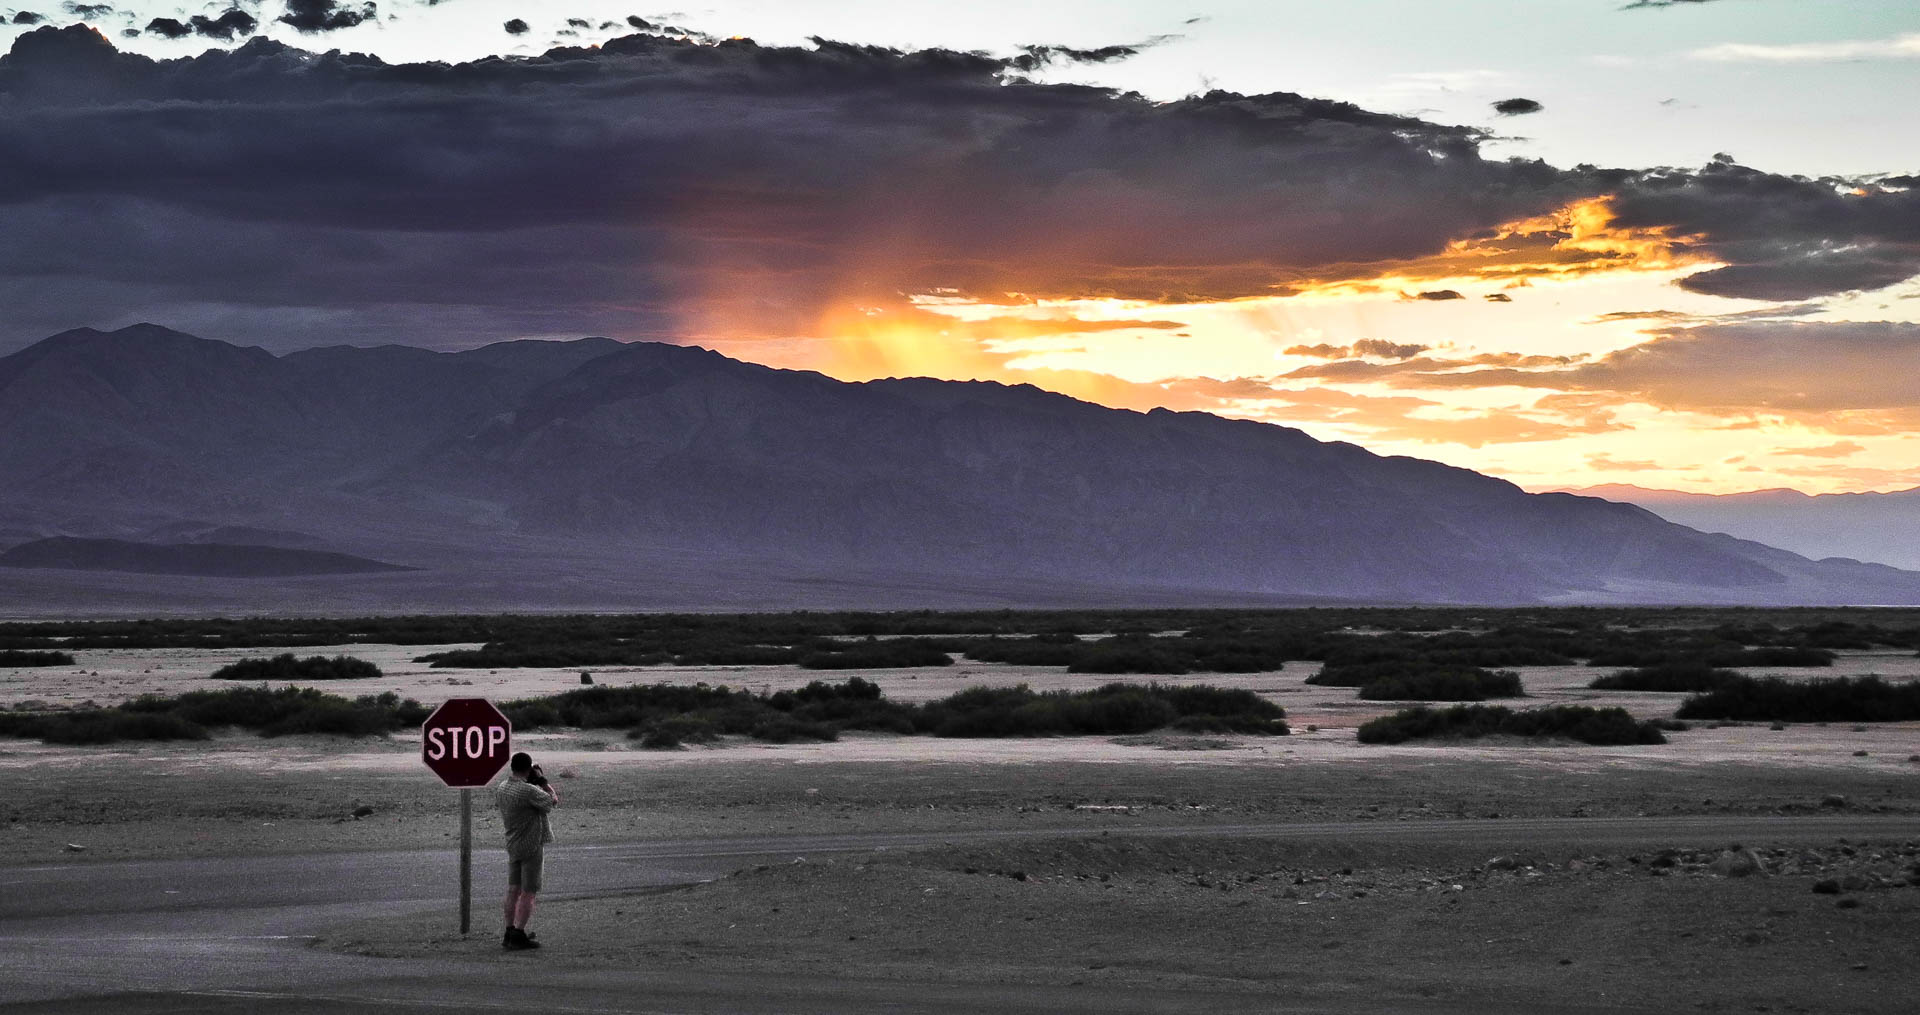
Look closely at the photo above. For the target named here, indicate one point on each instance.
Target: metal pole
(466, 861)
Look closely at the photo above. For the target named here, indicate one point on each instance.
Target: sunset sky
(1674, 243)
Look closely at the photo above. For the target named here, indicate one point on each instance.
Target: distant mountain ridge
(224, 560)
(630, 468)
(1879, 527)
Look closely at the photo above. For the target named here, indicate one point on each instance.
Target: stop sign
(466, 741)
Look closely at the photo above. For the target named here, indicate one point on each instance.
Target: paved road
(229, 935)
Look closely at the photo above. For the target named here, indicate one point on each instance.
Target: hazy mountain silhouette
(228, 560)
(657, 467)
(1880, 527)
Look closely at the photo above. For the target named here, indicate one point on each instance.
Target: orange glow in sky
(1457, 356)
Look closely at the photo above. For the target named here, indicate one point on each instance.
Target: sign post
(466, 742)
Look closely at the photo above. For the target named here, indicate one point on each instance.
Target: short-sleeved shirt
(524, 807)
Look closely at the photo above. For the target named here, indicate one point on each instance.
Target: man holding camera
(524, 799)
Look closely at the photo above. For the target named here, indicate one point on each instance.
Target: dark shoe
(516, 940)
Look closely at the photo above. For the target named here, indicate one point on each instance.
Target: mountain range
(594, 474)
(1881, 527)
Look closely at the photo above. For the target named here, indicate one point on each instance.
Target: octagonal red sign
(466, 741)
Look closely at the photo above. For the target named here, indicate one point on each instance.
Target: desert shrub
(1777, 655)
(359, 717)
(1116, 708)
(1837, 699)
(873, 653)
(1691, 675)
(605, 707)
(785, 729)
(189, 716)
(671, 732)
(1605, 726)
(1450, 684)
(285, 667)
(1025, 651)
(98, 726)
(19, 658)
(1126, 654)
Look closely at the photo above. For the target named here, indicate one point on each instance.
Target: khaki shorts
(524, 874)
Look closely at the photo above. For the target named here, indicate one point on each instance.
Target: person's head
(520, 764)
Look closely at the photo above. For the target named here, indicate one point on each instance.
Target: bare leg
(513, 899)
(523, 910)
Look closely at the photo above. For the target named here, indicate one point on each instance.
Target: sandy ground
(1390, 925)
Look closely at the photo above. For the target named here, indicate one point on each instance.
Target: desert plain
(1738, 867)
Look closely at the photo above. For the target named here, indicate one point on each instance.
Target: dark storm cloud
(662, 183)
(88, 11)
(1517, 107)
(231, 24)
(172, 28)
(1782, 237)
(1438, 294)
(516, 27)
(27, 18)
(312, 16)
(1035, 57)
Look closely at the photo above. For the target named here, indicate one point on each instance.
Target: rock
(1504, 863)
(74, 847)
(1859, 754)
(1736, 863)
(1833, 800)
(585, 677)
(1826, 886)
(363, 811)
(1848, 903)
(1913, 757)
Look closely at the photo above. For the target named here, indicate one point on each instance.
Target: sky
(1673, 243)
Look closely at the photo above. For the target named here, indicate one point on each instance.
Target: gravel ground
(1678, 927)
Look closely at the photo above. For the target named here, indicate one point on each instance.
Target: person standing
(524, 798)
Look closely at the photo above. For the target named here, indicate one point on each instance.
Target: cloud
(1376, 347)
(171, 28)
(662, 185)
(233, 23)
(1497, 298)
(1845, 378)
(313, 16)
(87, 11)
(27, 18)
(1517, 107)
(1035, 57)
(515, 26)
(1656, 4)
(1842, 449)
(1438, 294)
(1428, 371)
(1603, 462)
(1387, 350)
(1778, 237)
(1901, 47)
